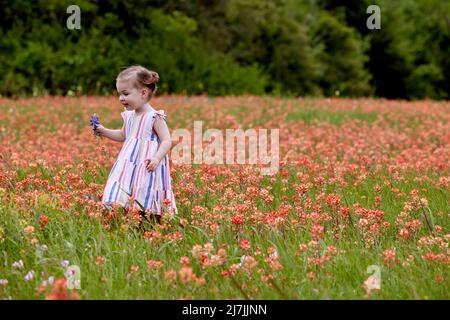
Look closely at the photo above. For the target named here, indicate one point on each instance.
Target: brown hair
(142, 78)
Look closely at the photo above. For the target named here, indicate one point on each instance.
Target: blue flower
(94, 122)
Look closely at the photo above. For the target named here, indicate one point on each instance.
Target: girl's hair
(141, 77)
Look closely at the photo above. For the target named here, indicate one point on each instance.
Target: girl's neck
(145, 108)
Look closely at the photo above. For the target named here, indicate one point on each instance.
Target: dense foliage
(298, 47)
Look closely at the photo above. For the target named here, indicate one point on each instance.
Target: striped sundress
(129, 176)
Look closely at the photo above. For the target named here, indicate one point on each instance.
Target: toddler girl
(141, 171)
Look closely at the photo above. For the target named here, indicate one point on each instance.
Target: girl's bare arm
(163, 133)
(115, 135)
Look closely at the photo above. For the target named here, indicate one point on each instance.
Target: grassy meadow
(359, 208)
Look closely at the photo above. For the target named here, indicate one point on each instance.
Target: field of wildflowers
(359, 208)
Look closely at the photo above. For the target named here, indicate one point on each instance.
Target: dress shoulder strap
(160, 114)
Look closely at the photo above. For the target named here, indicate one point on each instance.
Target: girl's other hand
(151, 163)
(99, 131)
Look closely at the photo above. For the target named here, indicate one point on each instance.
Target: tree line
(218, 47)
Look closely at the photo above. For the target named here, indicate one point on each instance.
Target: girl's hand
(151, 163)
(99, 131)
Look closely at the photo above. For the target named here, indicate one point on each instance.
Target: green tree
(341, 56)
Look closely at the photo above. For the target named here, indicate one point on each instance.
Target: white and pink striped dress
(129, 176)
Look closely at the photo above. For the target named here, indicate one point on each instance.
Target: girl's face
(129, 96)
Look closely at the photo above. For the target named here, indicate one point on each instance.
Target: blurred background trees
(219, 47)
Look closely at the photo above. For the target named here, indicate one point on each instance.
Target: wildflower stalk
(277, 288)
(426, 218)
(349, 213)
(236, 284)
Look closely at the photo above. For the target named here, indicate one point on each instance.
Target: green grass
(80, 239)
(74, 236)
